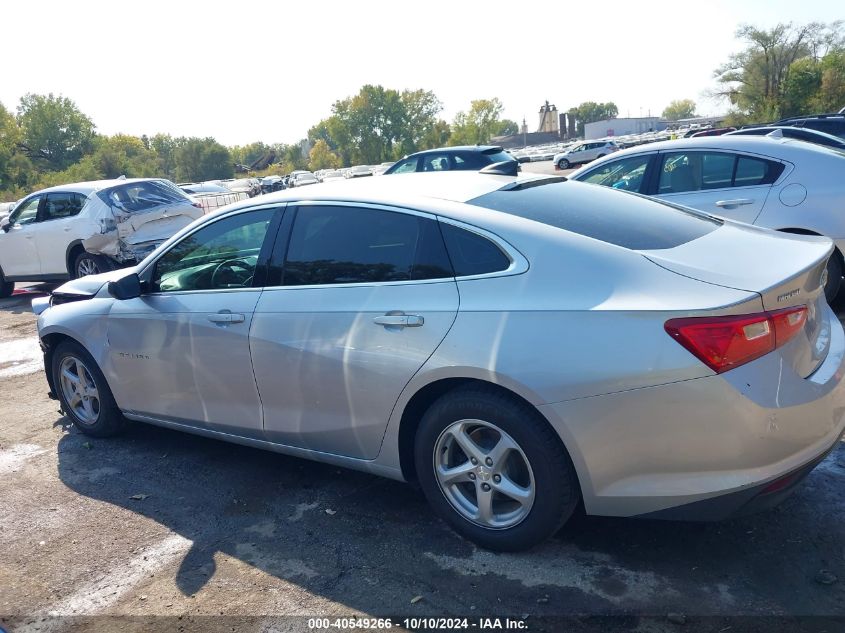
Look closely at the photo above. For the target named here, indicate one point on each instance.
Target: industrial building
(621, 127)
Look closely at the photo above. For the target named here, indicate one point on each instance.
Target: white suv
(89, 227)
(584, 153)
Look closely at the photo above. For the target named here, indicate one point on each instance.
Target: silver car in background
(514, 345)
(778, 183)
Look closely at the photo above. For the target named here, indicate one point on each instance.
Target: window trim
(658, 167)
(42, 208)
(42, 198)
(261, 267)
(518, 262)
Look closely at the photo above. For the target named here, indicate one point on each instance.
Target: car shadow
(373, 544)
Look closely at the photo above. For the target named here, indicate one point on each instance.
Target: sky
(249, 71)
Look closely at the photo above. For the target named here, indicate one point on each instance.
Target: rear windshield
(497, 156)
(143, 195)
(615, 217)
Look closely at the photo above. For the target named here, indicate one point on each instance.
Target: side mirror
(5, 225)
(128, 287)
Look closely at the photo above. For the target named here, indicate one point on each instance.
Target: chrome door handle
(734, 203)
(223, 318)
(399, 320)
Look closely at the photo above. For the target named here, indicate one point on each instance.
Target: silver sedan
(514, 345)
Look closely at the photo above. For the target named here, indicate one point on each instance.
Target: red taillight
(725, 342)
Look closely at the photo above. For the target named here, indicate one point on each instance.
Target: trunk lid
(785, 270)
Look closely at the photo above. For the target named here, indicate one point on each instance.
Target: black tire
(109, 420)
(834, 277)
(563, 164)
(90, 261)
(6, 287)
(556, 488)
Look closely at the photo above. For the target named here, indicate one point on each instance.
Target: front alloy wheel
(83, 391)
(484, 474)
(79, 390)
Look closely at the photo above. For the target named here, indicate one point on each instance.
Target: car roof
(457, 148)
(771, 128)
(764, 145)
(91, 186)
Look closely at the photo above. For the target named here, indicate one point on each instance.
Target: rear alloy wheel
(89, 264)
(563, 164)
(493, 469)
(83, 392)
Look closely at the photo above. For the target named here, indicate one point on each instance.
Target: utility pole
(524, 132)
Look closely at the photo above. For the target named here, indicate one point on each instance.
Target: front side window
(63, 205)
(406, 166)
(349, 245)
(222, 255)
(26, 213)
(626, 174)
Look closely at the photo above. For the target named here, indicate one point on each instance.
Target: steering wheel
(239, 269)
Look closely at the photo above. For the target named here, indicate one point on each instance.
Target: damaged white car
(89, 227)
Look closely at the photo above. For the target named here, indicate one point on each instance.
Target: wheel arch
(49, 342)
(72, 252)
(425, 396)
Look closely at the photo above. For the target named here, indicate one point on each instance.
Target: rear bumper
(750, 501)
(709, 447)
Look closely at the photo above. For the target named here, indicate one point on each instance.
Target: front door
(18, 253)
(180, 352)
(366, 296)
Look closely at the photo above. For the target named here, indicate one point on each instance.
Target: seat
(681, 179)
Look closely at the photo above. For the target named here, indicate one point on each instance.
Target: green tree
(321, 157)
(590, 111)
(198, 159)
(54, 131)
(479, 124)
(679, 109)
(437, 136)
(123, 155)
(831, 95)
(379, 124)
(758, 81)
(9, 139)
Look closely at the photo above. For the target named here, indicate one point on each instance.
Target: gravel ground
(161, 530)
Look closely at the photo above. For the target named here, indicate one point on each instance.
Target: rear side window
(63, 205)
(626, 220)
(472, 254)
(347, 245)
(697, 171)
(141, 196)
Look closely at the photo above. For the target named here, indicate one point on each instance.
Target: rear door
(55, 232)
(722, 183)
(365, 296)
